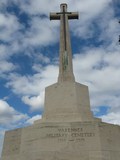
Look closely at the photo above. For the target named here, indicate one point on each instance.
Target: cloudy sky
(29, 51)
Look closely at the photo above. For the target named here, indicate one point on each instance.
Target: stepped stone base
(90, 140)
(67, 130)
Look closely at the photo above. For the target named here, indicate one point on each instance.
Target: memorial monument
(67, 130)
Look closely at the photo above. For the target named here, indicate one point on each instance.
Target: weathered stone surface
(67, 101)
(12, 145)
(68, 141)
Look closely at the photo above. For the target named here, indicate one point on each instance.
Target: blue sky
(29, 51)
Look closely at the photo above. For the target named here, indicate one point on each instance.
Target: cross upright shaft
(65, 66)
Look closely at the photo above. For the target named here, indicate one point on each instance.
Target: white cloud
(9, 25)
(34, 118)
(113, 118)
(10, 37)
(6, 66)
(37, 7)
(97, 69)
(9, 116)
(93, 18)
(22, 84)
(31, 88)
(33, 85)
(41, 32)
(41, 7)
(41, 58)
(3, 50)
(35, 102)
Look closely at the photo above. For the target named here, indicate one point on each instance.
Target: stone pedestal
(67, 101)
(63, 141)
(67, 130)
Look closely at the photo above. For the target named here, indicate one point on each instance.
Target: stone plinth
(68, 141)
(66, 101)
(67, 130)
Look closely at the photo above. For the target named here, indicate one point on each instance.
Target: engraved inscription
(56, 135)
(83, 134)
(70, 134)
(70, 129)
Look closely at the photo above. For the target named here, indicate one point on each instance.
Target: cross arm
(54, 16)
(73, 15)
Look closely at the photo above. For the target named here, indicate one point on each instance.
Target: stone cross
(65, 66)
